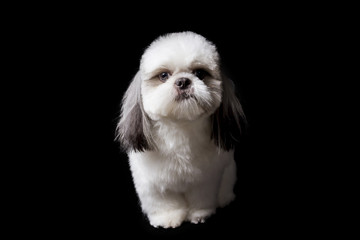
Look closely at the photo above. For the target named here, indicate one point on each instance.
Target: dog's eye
(200, 73)
(164, 76)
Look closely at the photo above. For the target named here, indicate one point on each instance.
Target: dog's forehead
(179, 51)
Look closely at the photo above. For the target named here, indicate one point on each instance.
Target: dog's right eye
(164, 76)
(200, 73)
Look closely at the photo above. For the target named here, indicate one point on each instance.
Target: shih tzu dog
(179, 122)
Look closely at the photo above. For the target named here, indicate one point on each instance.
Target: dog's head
(179, 79)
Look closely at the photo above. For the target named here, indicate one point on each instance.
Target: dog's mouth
(190, 103)
(185, 94)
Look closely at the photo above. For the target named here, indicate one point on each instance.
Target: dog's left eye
(200, 73)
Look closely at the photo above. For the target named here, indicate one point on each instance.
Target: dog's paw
(167, 219)
(199, 215)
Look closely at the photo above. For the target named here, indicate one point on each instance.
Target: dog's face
(180, 78)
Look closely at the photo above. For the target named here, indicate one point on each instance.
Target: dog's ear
(229, 119)
(133, 128)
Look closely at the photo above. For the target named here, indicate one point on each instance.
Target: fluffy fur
(179, 123)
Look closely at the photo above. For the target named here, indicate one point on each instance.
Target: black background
(88, 59)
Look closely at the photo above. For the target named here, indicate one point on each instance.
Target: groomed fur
(180, 138)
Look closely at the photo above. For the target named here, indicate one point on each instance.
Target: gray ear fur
(133, 129)
(228, 119)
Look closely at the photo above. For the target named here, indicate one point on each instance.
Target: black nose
(182, 83)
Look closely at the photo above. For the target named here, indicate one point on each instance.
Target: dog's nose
(182, 83)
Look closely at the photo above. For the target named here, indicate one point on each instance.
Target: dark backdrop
(90, 60)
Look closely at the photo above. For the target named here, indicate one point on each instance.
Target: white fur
(182, 180)
(186, 176)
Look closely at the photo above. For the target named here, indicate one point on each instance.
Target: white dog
(179, 122)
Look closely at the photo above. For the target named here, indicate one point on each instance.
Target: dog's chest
(185, 155)
(182, 139)
(184, 151)
(180, 169)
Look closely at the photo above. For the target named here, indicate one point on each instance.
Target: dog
(180, 121)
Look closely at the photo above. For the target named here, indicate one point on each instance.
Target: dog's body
(187, 179)
(179, 121)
